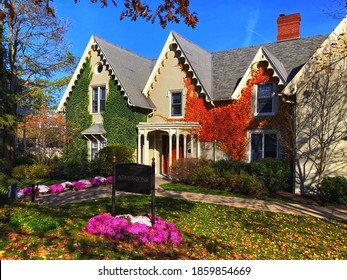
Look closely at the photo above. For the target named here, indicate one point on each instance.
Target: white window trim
(99, 143)
(170, 92)
(91, 90)
(263, 132)
(273, 97)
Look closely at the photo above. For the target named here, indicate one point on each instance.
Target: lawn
(209, 232)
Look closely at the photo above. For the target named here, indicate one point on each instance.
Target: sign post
(114, 160)
(153, 190)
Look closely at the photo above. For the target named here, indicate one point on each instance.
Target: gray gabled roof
(131, 71)
(200, 61)
(276, 64)
(230, 66)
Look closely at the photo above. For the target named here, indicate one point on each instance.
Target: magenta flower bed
(65, 186)
(137, 228)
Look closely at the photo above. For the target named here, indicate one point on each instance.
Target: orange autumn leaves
(227, 124)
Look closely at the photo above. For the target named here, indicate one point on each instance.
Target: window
(263, 145)
(265, 103)
(176, 104)
(98, 99)
(96, 146)
(98, 68)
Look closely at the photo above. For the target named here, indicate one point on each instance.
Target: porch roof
(95, 128)
(167, 125)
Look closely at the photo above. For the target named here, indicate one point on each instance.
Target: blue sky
(222, 24)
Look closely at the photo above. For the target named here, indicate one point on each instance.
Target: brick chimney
(288, 26)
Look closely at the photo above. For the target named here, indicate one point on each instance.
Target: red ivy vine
(226, 124)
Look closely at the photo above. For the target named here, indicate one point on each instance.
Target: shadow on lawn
(58, 232)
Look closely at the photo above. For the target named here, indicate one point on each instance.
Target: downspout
(294, 144)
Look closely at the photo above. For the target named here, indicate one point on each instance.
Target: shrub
(205, 176)
(4, 185)
(183, 167)
(273, 173)
(24, 158)
(244, 183)
(102, 164)
(333, 189)
(230, 165)
(35, 171)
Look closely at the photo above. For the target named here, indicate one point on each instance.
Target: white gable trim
(91, 44)
(159, 64)
(156, 69)
(261, 55)
(74, 77)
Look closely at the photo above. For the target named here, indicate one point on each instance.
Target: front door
(165, 155)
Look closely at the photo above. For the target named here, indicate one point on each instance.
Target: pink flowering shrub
(67, 185)
(136, 228)
(109, 180)
(27, 191)
(20, 193)
(101, 179)
(56, 188)
(95, 182)
(78, 185)
(86, 183)
(43, 189)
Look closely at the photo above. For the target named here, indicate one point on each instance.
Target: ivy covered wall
(78, 119)
(120, 119)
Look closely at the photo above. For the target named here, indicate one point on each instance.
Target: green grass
(209, 232)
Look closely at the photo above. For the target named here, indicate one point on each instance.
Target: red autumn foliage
(226, 124)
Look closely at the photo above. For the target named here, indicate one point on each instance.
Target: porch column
(139, 147)
(197, 147)
(177, 144)
(185, 145)
(170, 148)
(192, 154)
(146, 147)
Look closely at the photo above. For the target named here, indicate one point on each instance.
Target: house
(190, 102)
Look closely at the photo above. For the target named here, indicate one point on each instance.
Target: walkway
(58, 199)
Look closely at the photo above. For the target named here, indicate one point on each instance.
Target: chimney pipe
(288, 26)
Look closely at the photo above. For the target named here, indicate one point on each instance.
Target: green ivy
(120, 119)
(78, 119)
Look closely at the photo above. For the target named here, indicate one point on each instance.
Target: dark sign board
(134, 178)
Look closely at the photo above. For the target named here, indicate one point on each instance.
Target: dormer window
(265, 99)
(98, 99)
(176, 104)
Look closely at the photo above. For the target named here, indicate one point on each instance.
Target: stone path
(254, 204)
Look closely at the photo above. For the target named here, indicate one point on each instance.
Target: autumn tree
(46, 131)
(34, 48)
(166, 11)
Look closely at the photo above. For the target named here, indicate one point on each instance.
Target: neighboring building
(198, 103)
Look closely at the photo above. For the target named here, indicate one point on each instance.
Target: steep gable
(129, 70)
(230, 66)
(193, 58)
